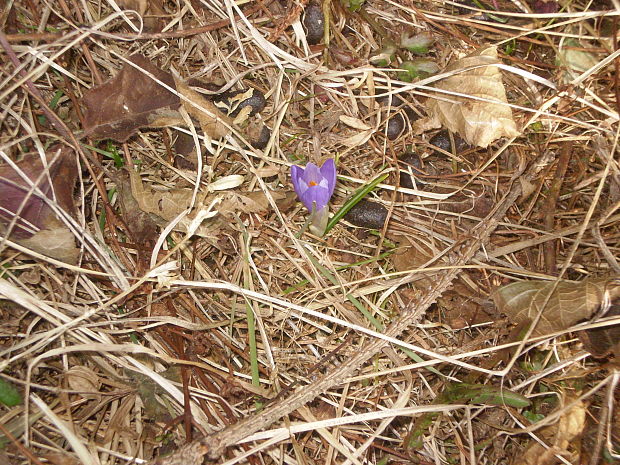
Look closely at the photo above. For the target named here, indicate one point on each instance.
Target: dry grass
(145, 346)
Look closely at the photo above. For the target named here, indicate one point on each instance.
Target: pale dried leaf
(119, 422)
(268, 171)
(212, 121)
(559, 434)
(248, 202)
(55, 241)
(137, 5)
(568, 304)
(355, 123)
(577, 60)
(166, 204)
(357, 139)
(226, 182)
(58, 458)
(84, 380)
(478, 122)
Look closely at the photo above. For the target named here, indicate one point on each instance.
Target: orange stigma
(312, 183)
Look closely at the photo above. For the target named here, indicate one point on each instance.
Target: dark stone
(261, 139)
(256, 101)
(442, 141)
(367, 214)
(314, 23)
(396, 102)
(408, 161)
(395, 126)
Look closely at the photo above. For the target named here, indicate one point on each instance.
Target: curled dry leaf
(133, 100)
(559, 436)
(141, 226)
(478, 122)
(248, 202)
(212, 121)
(84, 380)
(36, 225)
(569, 303)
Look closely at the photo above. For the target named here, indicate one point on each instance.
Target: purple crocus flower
(314, 185)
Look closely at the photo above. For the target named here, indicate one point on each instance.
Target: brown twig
(549, 208)
(603, 418)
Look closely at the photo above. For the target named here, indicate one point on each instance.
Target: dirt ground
(309, 232)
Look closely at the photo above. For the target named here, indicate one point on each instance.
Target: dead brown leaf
(58, 458)
(478, 122)
(129, 101)
(133, 100)
(162, 206)
(84, 380)
(248, 202)
(570, 302)
(141, 226)
(119, 422)
(36, 225)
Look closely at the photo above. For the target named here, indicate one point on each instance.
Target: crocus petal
(312, 174)
(328, 171)
(315, 194)
(302, 187)
(296, 173)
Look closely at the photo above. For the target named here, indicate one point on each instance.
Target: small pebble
(367, 214)
(259, 138)
(406, 162)
(314, 23)
(442, 141)
(396, 100)
(480, 16)
(395, 126)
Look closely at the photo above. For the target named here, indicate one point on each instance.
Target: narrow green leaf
(55, 99)
(484, 394)
(111, 153)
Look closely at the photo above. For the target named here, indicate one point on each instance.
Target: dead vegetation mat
(166, 299)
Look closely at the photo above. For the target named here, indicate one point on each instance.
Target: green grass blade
(251, 322)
